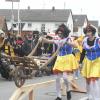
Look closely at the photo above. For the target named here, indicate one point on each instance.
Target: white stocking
(58, 85)
(66, 81)
(92, 89)
(96, 90)
(88, 90)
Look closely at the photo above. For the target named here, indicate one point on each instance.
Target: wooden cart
(30, 63)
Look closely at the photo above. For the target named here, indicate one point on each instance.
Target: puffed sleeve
(60, 43)
(99, 42)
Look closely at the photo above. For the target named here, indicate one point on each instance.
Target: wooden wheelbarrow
(30, 63)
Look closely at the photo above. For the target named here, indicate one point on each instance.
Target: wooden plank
(39, 57)
(31, 95)
(22, 92)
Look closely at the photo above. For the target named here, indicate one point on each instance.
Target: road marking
(84, 98)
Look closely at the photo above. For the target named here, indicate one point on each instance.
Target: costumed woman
(77, 52)
(65, 63)
(91, 63)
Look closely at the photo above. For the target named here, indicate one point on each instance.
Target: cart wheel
(18, 77)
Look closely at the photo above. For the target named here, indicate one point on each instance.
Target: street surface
(45, 93)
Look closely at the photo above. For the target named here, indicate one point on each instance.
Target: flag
(13, 0)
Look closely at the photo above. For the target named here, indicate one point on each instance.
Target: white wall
(70, 23)
(85, 23)
(52, 26)
(35, 26)
(49, 26)
(80, 29)
(9, 25)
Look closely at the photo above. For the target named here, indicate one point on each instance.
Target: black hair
(89, 28)
(49, 37)
(35, 32)
(64, 29)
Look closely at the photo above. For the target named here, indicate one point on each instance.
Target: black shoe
(69, 95)
(58, 98)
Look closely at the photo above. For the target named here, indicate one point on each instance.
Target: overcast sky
(89, 7)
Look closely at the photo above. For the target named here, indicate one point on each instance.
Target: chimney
(28, 7)
(53, 8)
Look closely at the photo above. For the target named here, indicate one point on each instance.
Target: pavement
(7, 88)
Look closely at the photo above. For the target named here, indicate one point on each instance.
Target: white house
(39, 19)
(80, 21)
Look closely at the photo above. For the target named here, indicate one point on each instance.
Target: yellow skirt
(77, 56)
(66, 63)
(91, 69)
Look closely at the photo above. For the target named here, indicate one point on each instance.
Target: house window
(56, 25)
(68, 26)
(75, 29)
(43, 28)
(14, 25)
(29, 24)
(76, 20)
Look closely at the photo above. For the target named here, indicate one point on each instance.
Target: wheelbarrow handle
(52, 57)
(33, 51)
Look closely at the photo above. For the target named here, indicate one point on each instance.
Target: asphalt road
(7, 88)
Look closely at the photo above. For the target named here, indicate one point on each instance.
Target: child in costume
(91, 63)
(65, 63)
